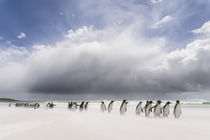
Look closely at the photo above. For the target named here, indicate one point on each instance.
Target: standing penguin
(166, 110)
(81, 106)
(157, 109)
(86, 106)
(74, 106)
(145, 106)
(69, 105)
(148, 108)
(110, 106)
(139, 108)
(103, 107)
(123, 107)
(177, 109)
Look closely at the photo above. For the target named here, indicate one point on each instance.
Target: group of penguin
(73, 106)
(147, 109)
(26, 105)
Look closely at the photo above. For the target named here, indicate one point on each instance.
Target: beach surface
(61, 124)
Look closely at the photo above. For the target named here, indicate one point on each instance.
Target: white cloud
(108, 61)
(164, 20)
(156, 1)
(1, 38)
(21, 35)
(204, 29)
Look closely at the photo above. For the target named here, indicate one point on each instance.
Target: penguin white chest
(177, 111)
(147, 112)
(103, 107)
(110, 107)
(157, 111)
(166, 111)
(138, 109)
(123, 109)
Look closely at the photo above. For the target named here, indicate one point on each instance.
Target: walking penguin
(177, 109)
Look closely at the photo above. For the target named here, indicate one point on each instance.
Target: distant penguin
(86, 106)
(123, 107)
(74, 106)
(139, 108)
(157, 109)
(81, 106)
(145, 106)
(177, 109)
(148, 108)
(70, 105)
(165, 109)
(103, 107)
(51, 105)
(110, 106)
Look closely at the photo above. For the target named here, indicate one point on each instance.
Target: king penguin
(74, 106)
(157, 109)
(166, 110)
(148, 108)
(123, 107)
(177, 109)
(110, 106)
(86, 106)
(139, 108)
(103, 107)
(81, 106)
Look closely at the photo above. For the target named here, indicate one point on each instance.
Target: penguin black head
(158, 101)
(168, 102)
(150, 102)
(140, 102)
(177, 101)
(102, 102)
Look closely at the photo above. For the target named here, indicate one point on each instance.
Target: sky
(105, 49)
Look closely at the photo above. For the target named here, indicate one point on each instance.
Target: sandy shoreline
(60, 123)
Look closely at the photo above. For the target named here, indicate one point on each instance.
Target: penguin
(157, 109)
(123, 107)
(139, 108)
(69, 105)
(110, 106)
(48, 105)
(51, 105)
(103, 107)
(81, 106)
(177, 109)
(86, 106)
(165, 109)
(74, 106)
(147, 108)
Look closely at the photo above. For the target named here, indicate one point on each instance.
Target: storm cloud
(90, 61)
(127, 49)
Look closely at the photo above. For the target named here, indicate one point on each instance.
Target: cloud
(1, 38)
(109, 63)
(118, 59)
(204, 29)
(21, 35)
(156, 1)
(164, 20)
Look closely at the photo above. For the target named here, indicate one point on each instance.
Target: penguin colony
(147, 109)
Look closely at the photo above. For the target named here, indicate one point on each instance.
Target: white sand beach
(61, 124)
